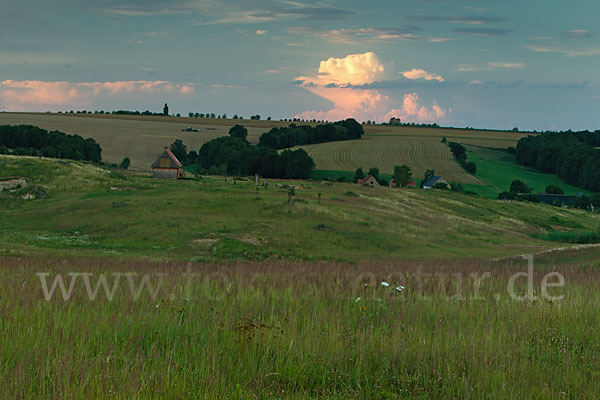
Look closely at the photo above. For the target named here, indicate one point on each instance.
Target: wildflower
(357, 300)
(400, 288)
(385, 284)
(157, 306)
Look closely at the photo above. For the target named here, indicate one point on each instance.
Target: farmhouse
(369, 180)
(167, 166)
(431, 182)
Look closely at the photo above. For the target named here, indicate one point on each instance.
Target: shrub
(554, 189)
(518, 186)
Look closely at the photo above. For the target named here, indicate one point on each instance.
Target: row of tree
(31, 140)
(233, 155)
(460, 155)
(573, 156)
(293, 135)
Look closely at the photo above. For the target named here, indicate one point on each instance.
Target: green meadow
(497, 169)
(209, 288)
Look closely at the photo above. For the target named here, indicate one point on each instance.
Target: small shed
(369, 180)
(167, 166)
(431, 182)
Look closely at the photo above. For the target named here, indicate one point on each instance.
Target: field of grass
(90, 210)
(385, 152)
(142, 138)
(210, 293)
(285, 330)
(497, 169)
(421, 148)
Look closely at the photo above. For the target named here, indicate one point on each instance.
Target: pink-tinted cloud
(335, 80)
(41, 95)
(413, 110)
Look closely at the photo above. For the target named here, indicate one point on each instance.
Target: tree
(518, 186)
(166, 109)
(428, 175)
(179, 150)
(402, 175)
(238, 131)
(554, 189)
(374, 172)
(125, 163)
(191, 115)
(359, 174)
(470, 167)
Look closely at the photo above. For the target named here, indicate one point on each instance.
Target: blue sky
(483, 63)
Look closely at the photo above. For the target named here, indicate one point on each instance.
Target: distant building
(369, 180)
(167, 166)
(431, 182)
(411, 184)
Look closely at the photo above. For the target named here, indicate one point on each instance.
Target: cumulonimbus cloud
(354, 69)
(337, 81)
(36, 95)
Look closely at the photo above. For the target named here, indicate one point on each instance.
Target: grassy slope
(498, 169)
(215, 219)
(279, 329)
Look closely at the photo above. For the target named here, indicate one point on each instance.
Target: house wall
(164, 173)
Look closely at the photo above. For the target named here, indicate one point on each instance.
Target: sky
(497, 64)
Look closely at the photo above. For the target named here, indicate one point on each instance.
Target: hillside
(94, 211)
(141, 138)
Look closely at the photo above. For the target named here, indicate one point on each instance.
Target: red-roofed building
(167, 166)
(411, 184)
(369, 180)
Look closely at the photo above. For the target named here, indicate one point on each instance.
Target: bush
(579, 237)
(554, 189)
(351, 194)
(518, 186)
(507, 196)
(125, 163)
(470, 167)
(440, 186)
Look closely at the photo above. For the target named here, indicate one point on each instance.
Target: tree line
(294, 135)
(460, 155)
(234, 155)
(35, 141)
(573, 156)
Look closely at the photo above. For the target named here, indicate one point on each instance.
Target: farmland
(139, 138)
(142, 139)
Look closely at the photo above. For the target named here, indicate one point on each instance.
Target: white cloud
(500, 64)
(260, 32)
(579, 33)
(490, 66)
(421, 74)
(565, 52)
(354, 69)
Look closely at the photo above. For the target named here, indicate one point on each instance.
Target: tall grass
(296, 331)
